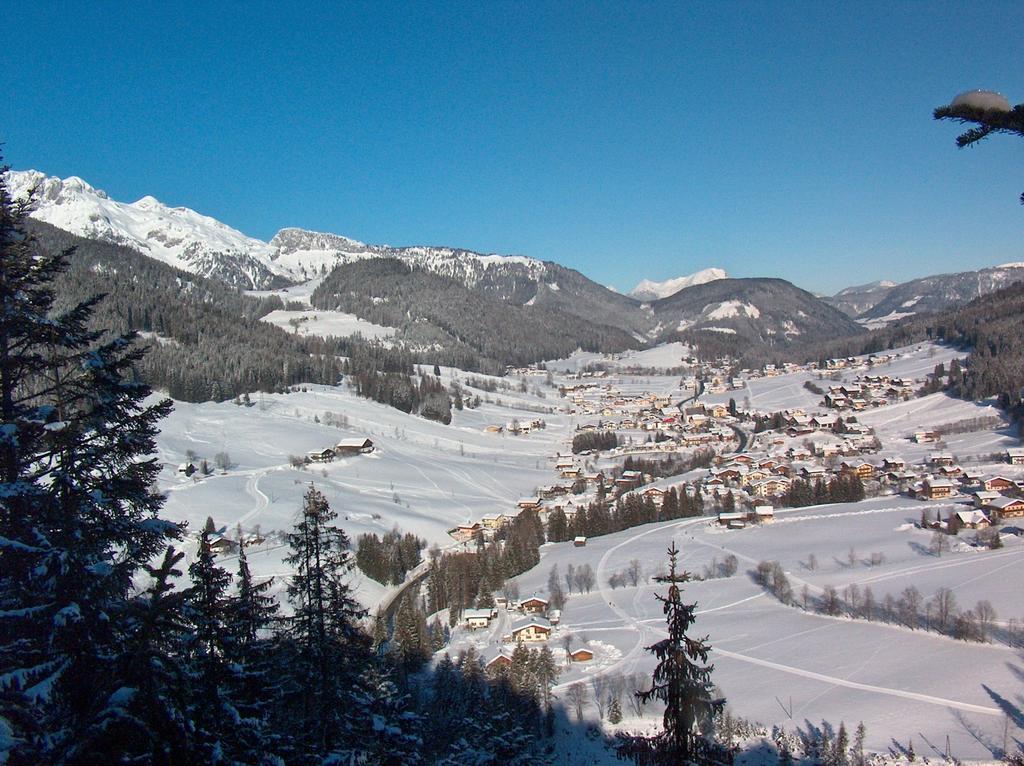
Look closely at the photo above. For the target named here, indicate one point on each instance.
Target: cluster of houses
(515, 427)
(344, 448)
(870, 391)
(536, 625)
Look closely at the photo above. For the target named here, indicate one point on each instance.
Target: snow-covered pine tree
(683, 684)
(77, 517)
(227, 699)
(330, 651)
(147, 718)
(255, 687)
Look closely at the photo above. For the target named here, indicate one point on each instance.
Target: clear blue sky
(626, 140)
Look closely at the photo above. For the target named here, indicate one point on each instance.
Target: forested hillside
(423, 305)
(207, 339)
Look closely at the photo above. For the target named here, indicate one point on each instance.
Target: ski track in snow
(646, 632)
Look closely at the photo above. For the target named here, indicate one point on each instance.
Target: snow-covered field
(779, 665)
(423, 476)
(327, 323)
(786, 392)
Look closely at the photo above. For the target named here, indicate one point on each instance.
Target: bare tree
(222, 460)
(909, 606)
(939, 543)
(812, 562)
(851, 594)
(830, 601)
(599, 685)
(877, 559)
(634, 684)
(805, 596)
(570, 578)
(510, 590)
(634, 572)
(868, 603)
(986, 615)
(851, 557)
(577, 697)
(730, 565)
(945, 607)
(585, 578)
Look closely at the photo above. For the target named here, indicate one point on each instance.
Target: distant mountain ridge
(880, 303)
(554, 298)
(646, 290)
(737, 314)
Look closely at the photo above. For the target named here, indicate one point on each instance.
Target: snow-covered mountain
(175, 235)
(647, 290)
(854, 301)
(202, 245)
(935, 293)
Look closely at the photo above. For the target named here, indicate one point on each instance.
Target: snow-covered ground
(666, 356)
(785, 392)
(327, 323)
(780, 665)
(775, 663)
(423, 476)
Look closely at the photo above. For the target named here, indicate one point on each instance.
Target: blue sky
(625, 140)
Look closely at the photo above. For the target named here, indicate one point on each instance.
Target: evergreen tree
(146, 720)
(329, 650)
(683, 684)
(210, 645)
(77, 517)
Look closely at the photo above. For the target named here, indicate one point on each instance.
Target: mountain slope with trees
(390, 292)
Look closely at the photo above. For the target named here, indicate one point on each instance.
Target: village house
(579, 541)
(581, 654)
(972, 519)
(529, 503)
(356, 446)
(477, 618)
(186, 469)
(998, 483)
(936, 489)
(466, 531)
(1015, 456)
(983, 497)
(222, 545)
(320, 456)
(732, 519)
(534, 605)
(494, 520)
(925, 437)
(859, 468)
(1008, 507)
(498, 663)
(534, 629)
(764, 514)
(936, 459)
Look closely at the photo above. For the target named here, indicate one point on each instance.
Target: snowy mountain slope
(760, 310)
(202, 245)
(646, 290)
(854, 301)
(879, 303)
(176, 236)
(942, 291)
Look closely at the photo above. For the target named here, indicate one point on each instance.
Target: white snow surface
(175, 235)
(982, 99)
(728, 309)
(646, 290)
(326, 324)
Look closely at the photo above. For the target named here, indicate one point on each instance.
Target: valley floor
(776, 664)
